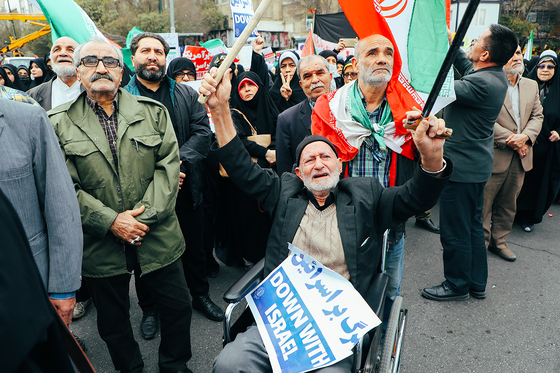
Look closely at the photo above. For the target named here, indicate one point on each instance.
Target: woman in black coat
(542, 183)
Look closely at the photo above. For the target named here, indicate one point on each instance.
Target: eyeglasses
(347, 75)
(92, 61)
(181, 74)
(548, 67)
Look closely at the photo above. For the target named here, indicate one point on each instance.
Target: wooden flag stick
(241, 40)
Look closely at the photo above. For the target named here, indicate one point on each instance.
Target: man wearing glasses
(123, 158)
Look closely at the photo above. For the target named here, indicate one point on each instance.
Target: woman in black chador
(542, 183)
(243, 225)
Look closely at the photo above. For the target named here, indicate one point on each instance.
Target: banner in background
(241, 13)
(303, 313)
(174, 51)
(200, 57)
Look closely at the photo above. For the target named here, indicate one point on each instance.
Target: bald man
(65, 87)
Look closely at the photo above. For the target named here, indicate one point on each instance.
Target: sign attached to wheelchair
(308, 315)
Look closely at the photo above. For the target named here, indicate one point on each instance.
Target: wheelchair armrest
(375, 295)
(245, 284)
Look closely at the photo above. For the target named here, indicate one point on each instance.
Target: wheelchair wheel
(390, 355)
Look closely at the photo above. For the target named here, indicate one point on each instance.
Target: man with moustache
(65, 87)
(515, 132)
(364, 120)
(321, 215)
(123, 158)
(190, 122)
(295, 123)
(480, 96)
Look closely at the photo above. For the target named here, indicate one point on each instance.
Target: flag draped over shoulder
(417, 29)
(68, 19)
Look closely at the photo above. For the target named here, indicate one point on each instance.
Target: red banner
(200, 57)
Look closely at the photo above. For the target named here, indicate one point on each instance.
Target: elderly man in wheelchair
(339, 223)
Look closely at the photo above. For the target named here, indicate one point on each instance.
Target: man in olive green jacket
(123, 157)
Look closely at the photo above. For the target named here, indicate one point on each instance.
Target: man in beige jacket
(515, 131)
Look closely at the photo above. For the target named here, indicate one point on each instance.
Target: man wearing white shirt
(65, 87)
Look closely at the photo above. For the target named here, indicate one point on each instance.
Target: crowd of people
(130, 174)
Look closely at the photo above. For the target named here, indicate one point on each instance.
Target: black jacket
(292, 127)
(193, 132)
(364, 209)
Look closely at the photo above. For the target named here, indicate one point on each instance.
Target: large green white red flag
(68, 19)
(418, 30)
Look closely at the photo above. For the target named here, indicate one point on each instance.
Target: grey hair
(96, 39)
(308, 58)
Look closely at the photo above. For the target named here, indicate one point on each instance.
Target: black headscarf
(550, 94)
(7, 81)
(260, 110)
(47, 73)
(25, 80)
(17, 84)
(297, 92)
(178, 65)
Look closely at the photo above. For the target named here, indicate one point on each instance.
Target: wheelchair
(376, 352)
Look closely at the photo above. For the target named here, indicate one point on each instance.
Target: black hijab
(550, 94)
(260, 110)
(25, 80)
(47, 73)
(7, 81)
(297, 92)
(178, 65)
(17, 84)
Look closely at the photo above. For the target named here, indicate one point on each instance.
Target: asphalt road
(515, 329)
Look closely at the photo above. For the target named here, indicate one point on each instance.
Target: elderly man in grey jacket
(36, 181)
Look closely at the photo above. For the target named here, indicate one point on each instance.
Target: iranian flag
(529, 48)
(418, 31)
(68, 19)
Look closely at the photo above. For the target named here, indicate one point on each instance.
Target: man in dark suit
(295, 123)
(515, 132)
(65, 87)
(480, 96)
(359, 208)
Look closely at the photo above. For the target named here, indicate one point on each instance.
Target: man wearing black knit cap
(340, 224)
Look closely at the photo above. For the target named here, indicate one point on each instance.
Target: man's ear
(485, 56)
(132, 59)
(339, 166)
(355, 65)
(298, 173)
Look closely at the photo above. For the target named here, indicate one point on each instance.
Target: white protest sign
(308, 315)
(174, 50)
(241, 13)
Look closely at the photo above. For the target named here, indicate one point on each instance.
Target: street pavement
(515, 329)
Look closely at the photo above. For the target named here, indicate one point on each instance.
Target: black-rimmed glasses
(92, 61)
(181, 74)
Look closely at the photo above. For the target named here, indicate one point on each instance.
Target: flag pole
(239, 43)
(447, 62)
